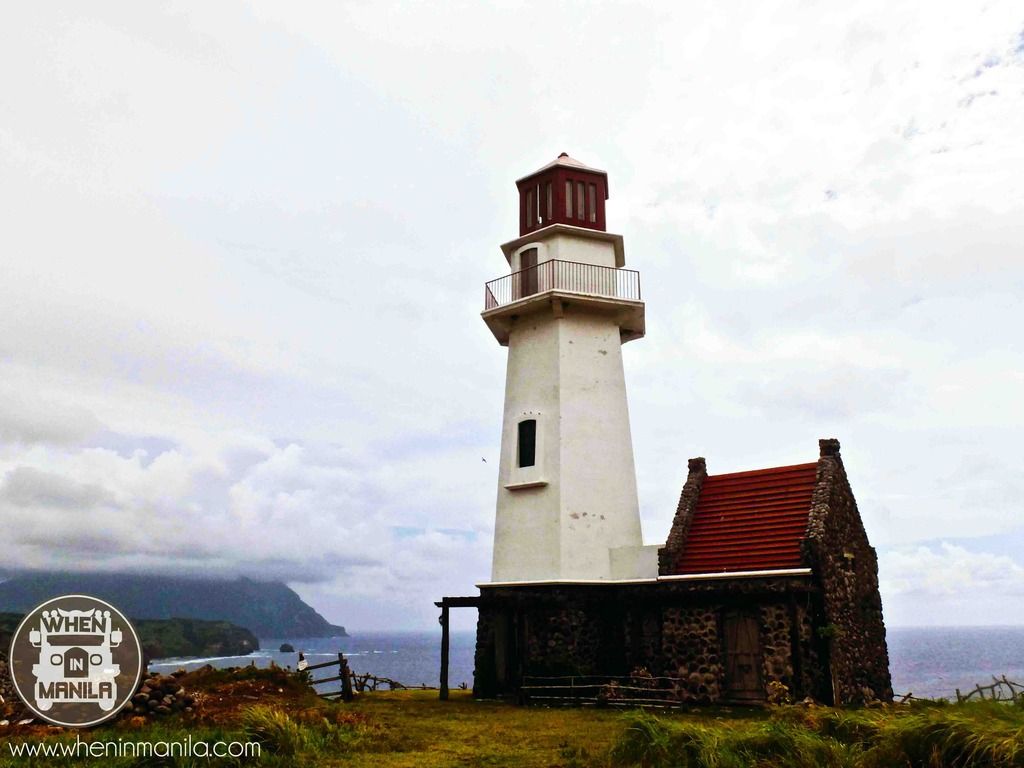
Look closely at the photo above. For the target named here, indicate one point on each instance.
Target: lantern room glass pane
(568, 199)
(529, 209)
(579, 199)
(550, 206)
(592, 201)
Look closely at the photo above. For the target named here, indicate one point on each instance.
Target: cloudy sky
(243, 248)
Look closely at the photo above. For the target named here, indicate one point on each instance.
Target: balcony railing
(571, 276)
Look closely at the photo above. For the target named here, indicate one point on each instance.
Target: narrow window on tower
(527, 443)
(579, 200)
(568, 199)
(592, 202)
(551, 207)
(529, 209)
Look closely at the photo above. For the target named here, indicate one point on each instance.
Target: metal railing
(572, 276)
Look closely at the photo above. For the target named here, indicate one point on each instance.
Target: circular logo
(75, 660)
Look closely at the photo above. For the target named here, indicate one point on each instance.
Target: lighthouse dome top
(563, 160)
(565, 191)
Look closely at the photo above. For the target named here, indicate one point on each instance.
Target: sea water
(928, 662)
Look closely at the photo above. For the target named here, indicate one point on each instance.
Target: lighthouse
(757, 564)
(567, 502)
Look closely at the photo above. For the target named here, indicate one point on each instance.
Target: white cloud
(949, 584)
(239, 290)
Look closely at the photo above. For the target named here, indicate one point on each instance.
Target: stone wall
(692, 650)
(669, 554)
(837, 548)
(672, 629)
(484, 673)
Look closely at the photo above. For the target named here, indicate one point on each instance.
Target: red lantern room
(564, 191)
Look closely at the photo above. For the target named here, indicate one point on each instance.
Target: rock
(287, 648)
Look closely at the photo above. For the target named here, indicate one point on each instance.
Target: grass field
(413, 728)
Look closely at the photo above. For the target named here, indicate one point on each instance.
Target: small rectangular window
(568, 199)
(529, 209)
(579, 199)
(527, 443)
(592, 202)
(551, 207)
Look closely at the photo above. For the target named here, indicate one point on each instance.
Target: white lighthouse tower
(567, 502)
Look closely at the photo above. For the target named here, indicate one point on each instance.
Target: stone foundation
(670, 628)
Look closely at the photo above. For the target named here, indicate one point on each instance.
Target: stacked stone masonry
(671, 629)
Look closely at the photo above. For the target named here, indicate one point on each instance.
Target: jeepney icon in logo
(75, 664)
(75, 660)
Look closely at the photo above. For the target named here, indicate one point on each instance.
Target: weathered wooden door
(508, 645)
(528, 271)
(743, 656)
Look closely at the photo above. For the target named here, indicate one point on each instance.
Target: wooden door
(742, 632)
(528, 272)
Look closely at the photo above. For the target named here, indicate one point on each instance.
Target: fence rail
(351, 683)
(653, 691)
(1000, 689)
(583, 690)
(344, 677)
(571, 276)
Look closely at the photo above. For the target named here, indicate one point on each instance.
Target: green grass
(413, 728)
(919, 736)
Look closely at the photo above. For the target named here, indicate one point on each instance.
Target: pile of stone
(10, 704)
(160, 695)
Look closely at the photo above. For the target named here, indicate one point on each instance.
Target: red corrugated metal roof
(749, 521)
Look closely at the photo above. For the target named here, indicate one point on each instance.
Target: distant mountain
(267, 608)
(162, 638)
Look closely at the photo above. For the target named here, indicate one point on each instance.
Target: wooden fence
(1001, 689)
(350, 682)
(344, 677)
(594, 690)
(651, 691)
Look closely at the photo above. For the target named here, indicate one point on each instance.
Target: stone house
(766, 576)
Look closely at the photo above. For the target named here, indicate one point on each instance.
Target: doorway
(528, 272)
(742, 640)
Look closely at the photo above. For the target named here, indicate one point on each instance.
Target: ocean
(929, 662)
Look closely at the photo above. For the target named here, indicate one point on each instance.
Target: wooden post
(346, 678)
(444, 652)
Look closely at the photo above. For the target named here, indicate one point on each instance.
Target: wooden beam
(459, 602)
(346, 678)
(444, 652)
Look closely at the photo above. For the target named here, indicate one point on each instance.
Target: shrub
(274, 730)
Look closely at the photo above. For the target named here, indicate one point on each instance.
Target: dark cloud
(28, 487)
(35, 421)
